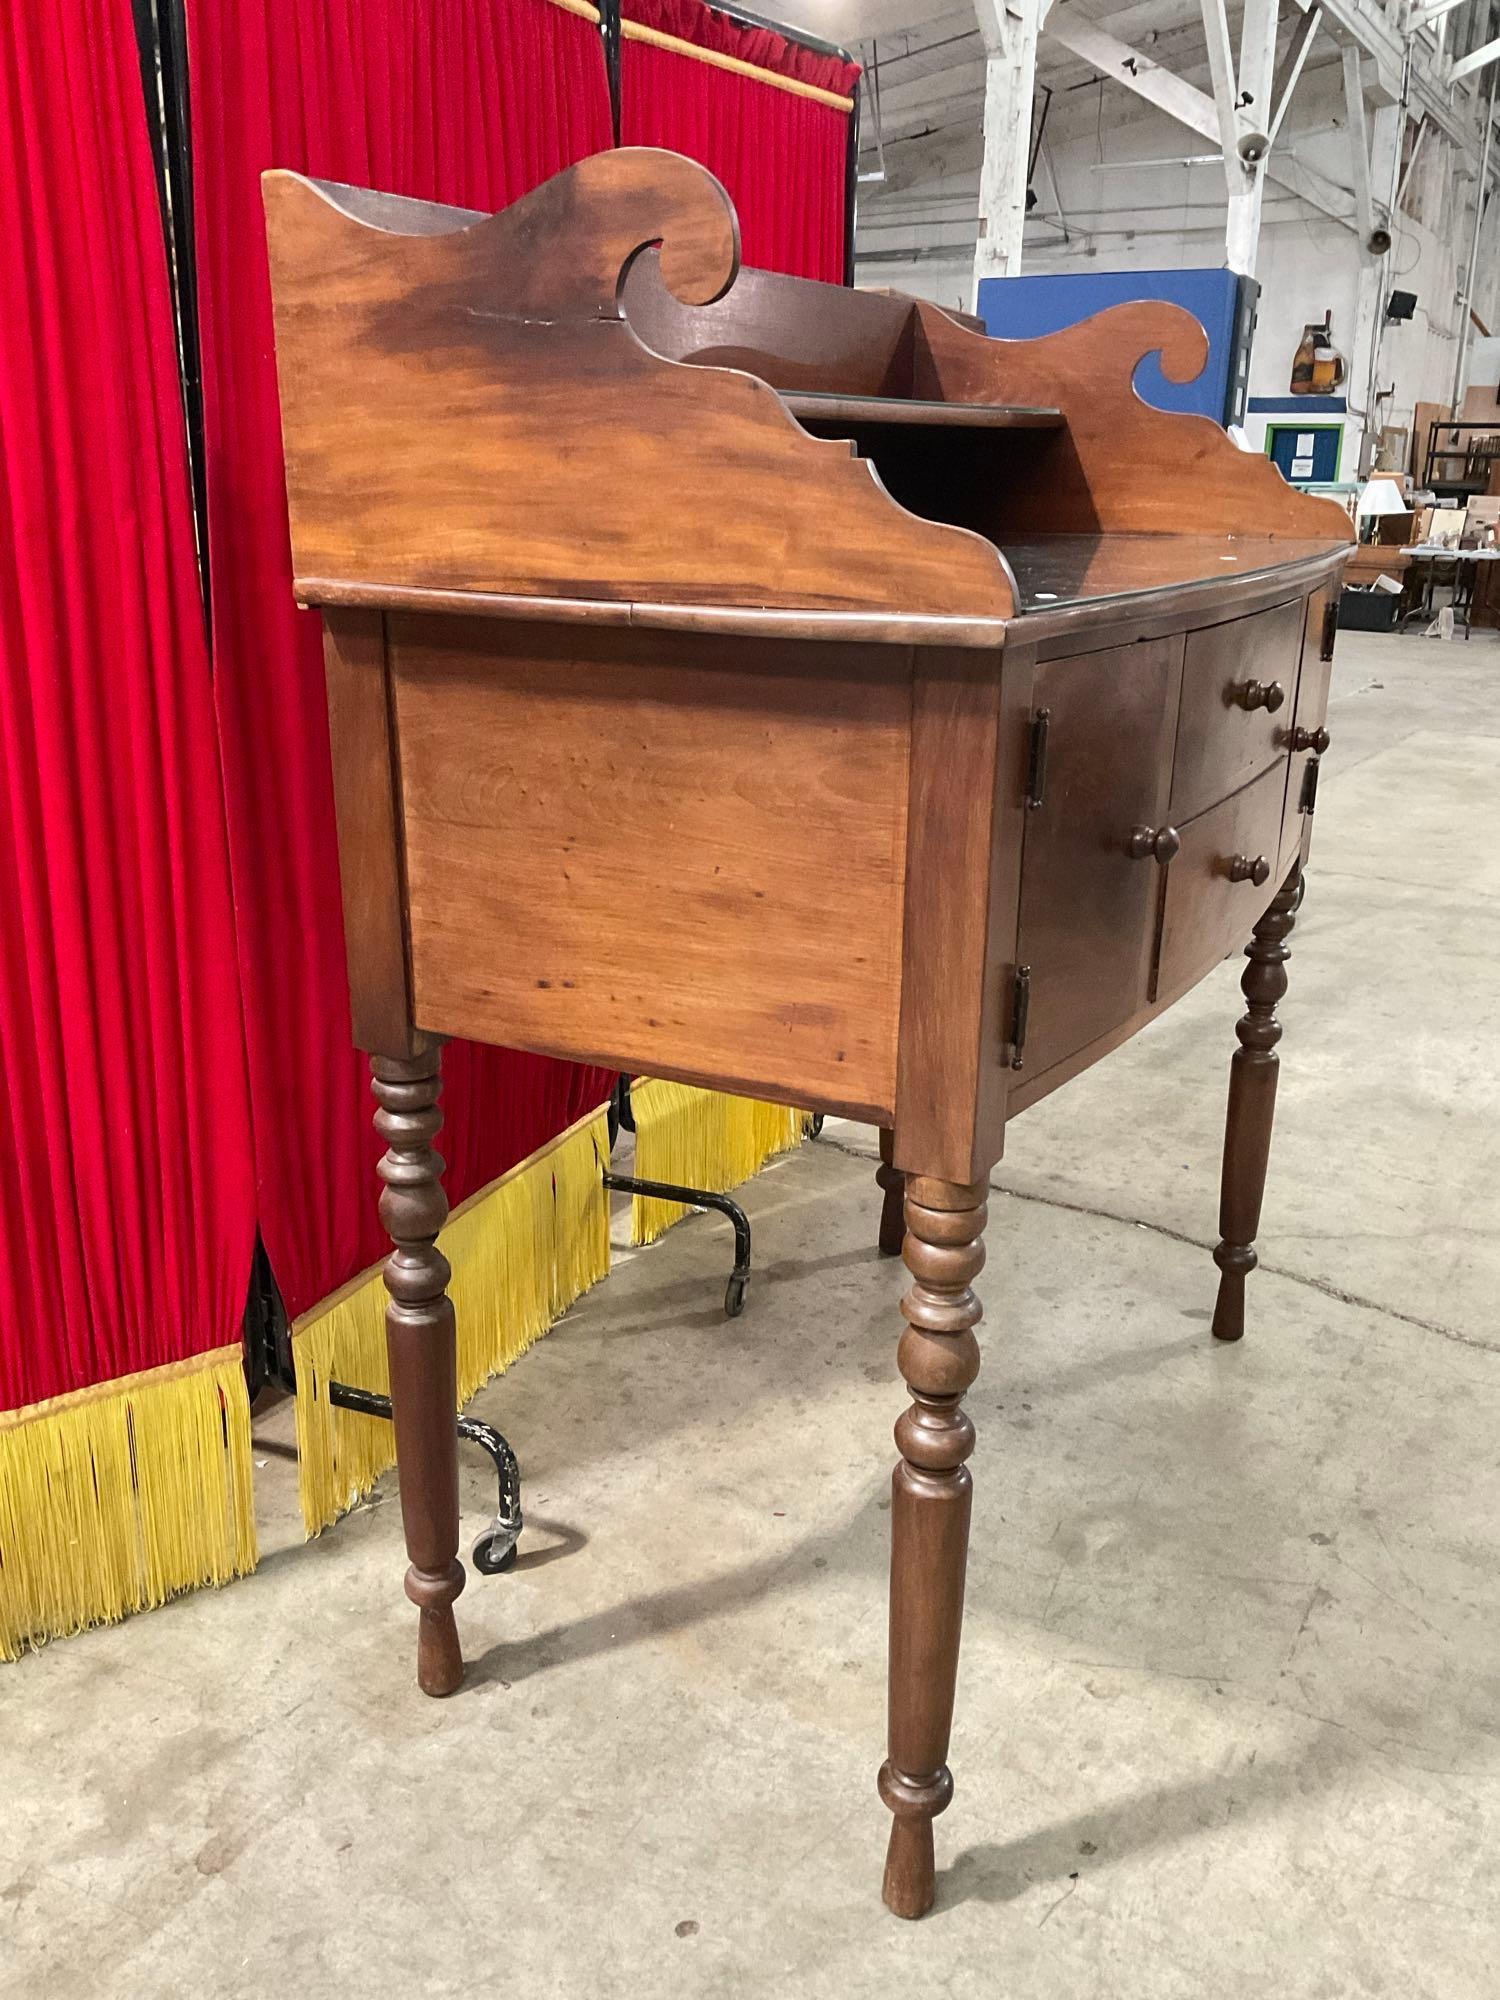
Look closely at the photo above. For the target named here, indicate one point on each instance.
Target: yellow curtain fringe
(117, 1497)
(522, 1250)
(701, 1138)
(637, 31)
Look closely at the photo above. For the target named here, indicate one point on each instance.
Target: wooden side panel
(950, 1096)
(1222, 744)
(1120, 464)
(1312, 713)
(364, 793)
(648, 851)
(1088, 906)
(792, 332)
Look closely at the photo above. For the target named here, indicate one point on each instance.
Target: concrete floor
(1228, 1705)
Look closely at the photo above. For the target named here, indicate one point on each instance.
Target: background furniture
(1459, 569)
(1461, 458)
(1029, 761)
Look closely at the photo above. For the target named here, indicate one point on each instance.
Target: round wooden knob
(1155, 843)
(1268, 695)
(1243, 869)
(1309, 739)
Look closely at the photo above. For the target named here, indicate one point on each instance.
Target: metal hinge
(1330, 627)
(1036, 763)
(1020, 1007)
(1309, 800)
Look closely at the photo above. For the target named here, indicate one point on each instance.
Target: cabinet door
(1088, 909)
(1311, 716)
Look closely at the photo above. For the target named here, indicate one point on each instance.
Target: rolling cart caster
(700, 1198)
(495, 1551)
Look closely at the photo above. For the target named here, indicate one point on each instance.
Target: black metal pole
(609, 28)
(161, 38)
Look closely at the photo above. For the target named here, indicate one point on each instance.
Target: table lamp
(1380, 496)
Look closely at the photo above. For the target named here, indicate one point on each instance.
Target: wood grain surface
(672, 737)
(367, 810)
(1088, 906)
(1222, 744)
(631, 849)
(471, 411)
(1120, 464)
(1207, 914)
(950, 1098)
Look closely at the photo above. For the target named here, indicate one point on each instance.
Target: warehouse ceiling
(924, 92)
(923, 101)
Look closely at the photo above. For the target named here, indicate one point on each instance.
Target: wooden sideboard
(984, 705)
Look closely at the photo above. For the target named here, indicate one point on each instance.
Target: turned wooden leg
(939, 1357)
(421, 1339)
(892, 1185)
(1252, 1104)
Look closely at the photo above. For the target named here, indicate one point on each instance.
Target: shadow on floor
(999, 1872)
(638, 1618)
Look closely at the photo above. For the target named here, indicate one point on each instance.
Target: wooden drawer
(1222, 744)
(1088, 909)
(1302, 738)
(1208, 912)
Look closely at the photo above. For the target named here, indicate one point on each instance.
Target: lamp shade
(1381, 496)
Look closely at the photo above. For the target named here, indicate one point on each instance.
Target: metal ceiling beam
(1363, 22)
(1243, 139)
(1475, 59)
(1182, 101)
(1221, 70)
(1256, 74)
(1189, 106)
(1425, 16)
(1292, 66)
(1359, 139)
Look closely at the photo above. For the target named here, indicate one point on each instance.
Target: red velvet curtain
(781, 156)
(465, 101)
(127, 1220)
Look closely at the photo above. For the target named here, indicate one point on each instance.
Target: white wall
(1121, 212)
(1484, 362)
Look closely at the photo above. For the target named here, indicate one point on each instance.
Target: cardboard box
(1447, 526)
